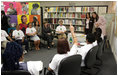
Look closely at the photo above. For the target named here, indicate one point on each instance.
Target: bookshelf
(74, 14)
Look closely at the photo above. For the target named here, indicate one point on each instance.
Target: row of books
(67, 21)
(71, 9)
(65, 15)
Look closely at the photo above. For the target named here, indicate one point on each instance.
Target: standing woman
(47, 34)
(99, 22)
(89, 23)
(31, 31)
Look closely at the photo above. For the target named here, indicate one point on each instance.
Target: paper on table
(34, 67)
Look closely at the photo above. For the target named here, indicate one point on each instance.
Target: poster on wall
(20, 21)
(12, 20)
(10, 8)
(22, 8)
(34, 18)
(34, 8)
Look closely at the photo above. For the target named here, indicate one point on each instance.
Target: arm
(10, 38)
(73, 34)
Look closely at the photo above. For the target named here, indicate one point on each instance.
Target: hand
(22, 40)
(71, 28)
(49, 34)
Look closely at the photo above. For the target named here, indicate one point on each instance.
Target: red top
(23, 26)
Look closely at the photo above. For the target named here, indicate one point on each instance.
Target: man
(4, 40)
(61, 29)
(90, 38)
(23, 25)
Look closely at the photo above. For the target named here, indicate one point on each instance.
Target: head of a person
(17, 27)
(94, 15)
(2, 12)
(35, 6)
(11, 5)
(35, 18)
(23, 4)
(60, 22)
(90, 38)
(45, 24)
(11, 56)
(62, 46)
(97, 33)
(29, 24)
(88, 15)
(23, 19)
(37, 23)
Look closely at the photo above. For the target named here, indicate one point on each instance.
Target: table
(81, 39)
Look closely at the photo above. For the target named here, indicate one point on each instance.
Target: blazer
(91, 23)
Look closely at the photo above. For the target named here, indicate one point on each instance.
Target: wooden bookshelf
(76, 14)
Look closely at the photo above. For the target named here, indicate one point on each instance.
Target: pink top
(102, 24)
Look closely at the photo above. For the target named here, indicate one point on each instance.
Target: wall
(76, 3)
(112, 36)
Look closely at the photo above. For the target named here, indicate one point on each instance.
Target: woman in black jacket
(89, 24)
(47, 34)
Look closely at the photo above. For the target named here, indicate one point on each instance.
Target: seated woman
(47, 34)
(37, 27)
(13, 60)
(31, 31)
(18, 35)
(63, 51)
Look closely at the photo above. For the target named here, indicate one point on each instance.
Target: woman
(99, 22)
(31, 31)
(47, 34)
(89, 24)
(19, 37)
(13, 60)
(37, 27)
(63, 51)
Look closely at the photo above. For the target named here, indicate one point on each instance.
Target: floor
(109, 66)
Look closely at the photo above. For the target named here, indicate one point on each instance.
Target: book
(78, 9)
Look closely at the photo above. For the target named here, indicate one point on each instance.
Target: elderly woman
(31, 31)
(47, 34)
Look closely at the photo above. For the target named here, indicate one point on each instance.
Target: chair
(30, 43)
(16, 72)
(90, 61)
(70, 65)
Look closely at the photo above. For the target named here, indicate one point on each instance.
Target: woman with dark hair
(31, 31)
(13, 58)
(89, 23)
(63, 51)
(99, 22)
(37, 27)
(47, 34)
